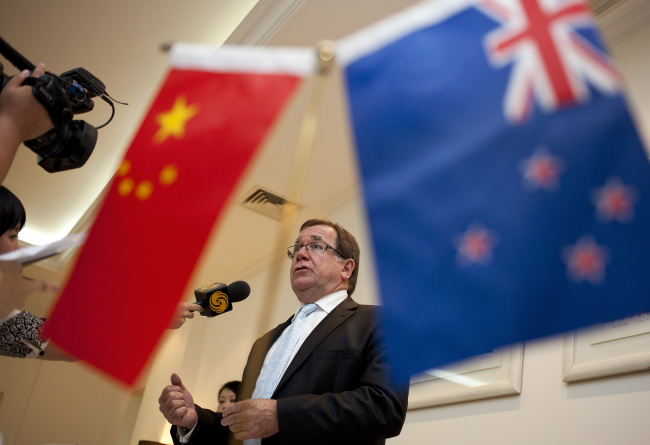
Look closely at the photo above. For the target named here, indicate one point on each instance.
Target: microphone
(217, 298)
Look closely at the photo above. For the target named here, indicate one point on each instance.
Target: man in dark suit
(334, 389)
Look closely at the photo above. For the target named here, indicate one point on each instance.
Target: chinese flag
(209, 118)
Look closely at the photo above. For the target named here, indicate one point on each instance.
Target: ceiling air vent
(267, 203)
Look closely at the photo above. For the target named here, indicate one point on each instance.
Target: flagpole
(297, 178)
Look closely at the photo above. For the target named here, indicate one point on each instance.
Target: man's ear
(348, 268)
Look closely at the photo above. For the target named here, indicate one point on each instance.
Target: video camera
(71, 142)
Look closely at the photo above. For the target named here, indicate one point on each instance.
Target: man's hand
(252, 419)
(14, 288)
(177, 405)
(183, 311)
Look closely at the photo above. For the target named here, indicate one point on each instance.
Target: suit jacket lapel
(340, 313)
(256, 360)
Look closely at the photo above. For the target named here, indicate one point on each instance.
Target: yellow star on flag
(172, 122)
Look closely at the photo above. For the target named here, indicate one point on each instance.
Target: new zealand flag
(506, 189)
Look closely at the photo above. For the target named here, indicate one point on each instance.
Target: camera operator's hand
(22, 117)
(19, 106)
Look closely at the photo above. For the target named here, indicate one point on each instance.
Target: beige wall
(633, 58)
(599, 412)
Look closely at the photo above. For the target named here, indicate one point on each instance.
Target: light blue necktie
(272, 372)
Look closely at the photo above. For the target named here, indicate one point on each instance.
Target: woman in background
(20, 330)
(227, 395)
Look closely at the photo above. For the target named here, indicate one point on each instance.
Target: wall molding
(263, 21)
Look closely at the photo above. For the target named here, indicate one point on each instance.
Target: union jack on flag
(506, 189)
(552, 64)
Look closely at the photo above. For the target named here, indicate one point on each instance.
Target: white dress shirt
(325, 306)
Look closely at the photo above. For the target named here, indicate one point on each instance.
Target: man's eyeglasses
(317, 248)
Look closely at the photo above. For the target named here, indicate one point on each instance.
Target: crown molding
(263, 21)
(620, 18)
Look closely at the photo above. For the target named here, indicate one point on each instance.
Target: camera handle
(45, 88)
(15, 57)
(53, 99)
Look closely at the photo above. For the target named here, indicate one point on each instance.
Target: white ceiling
(119, 42)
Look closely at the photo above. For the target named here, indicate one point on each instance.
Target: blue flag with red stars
(506, 189)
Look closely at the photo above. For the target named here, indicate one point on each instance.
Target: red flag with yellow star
(213, 110)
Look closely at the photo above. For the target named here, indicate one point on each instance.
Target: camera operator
(22, 117)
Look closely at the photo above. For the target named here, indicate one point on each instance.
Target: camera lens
(66, 148)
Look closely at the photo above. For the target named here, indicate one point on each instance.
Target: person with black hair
(19, 330)
(227, 394)
(12, 220)
(14, 288)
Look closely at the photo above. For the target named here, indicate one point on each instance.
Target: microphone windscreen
(238, 291)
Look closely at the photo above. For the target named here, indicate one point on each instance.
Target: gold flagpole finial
(325, 56)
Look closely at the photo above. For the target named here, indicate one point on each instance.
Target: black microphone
(217, 298)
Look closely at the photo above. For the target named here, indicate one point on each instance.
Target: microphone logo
(217, 298)
(219, 302)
